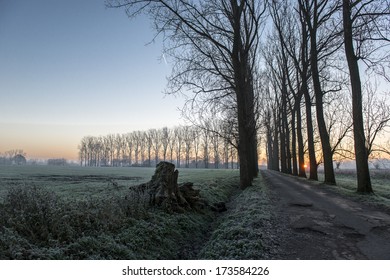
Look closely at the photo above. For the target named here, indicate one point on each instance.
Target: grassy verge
(347, 185)
(240, 232)
(43, 218)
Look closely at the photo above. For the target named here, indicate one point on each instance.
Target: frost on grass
(41, 223)
(38, 224)
(240, 232)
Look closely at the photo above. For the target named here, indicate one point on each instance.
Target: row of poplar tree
(278, 64)
(185, 146)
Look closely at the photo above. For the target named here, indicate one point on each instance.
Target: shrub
(96, 248)
(39, 214)
(12, 245)
(31, 212)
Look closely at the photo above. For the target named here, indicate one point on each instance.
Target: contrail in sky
(165, 60)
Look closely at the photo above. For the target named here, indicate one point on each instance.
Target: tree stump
(164, 191)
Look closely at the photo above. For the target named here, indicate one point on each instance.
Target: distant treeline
(18, 157)
(186, 146)
(57, 162)
(13, 157)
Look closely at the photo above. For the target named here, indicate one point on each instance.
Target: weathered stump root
(164, 191)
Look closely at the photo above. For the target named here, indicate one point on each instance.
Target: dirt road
(313, 222)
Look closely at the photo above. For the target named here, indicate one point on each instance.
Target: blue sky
(74, 68)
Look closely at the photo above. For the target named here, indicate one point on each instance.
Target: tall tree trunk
(244, 143)
(282, 149)
(275, 149)
(288, 150)
(310, 135)
(301, 153)
(247, 136)
(247, 151)
(283, 128)
(325, 143)
(363, 172)
(269, 149)
(252, 127)
(306, 94)
(269, 140)
(294, 143)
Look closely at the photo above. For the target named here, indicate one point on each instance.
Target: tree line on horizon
(19, 157)
(13, 157)
(289, 72)
(185, 146)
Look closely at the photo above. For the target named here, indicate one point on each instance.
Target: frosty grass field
(90, 213)
(80, 213)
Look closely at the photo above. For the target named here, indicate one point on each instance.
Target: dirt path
(312, 222)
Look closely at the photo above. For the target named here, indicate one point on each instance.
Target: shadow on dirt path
(315, 223)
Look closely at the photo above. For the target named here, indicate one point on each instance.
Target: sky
(74, 68)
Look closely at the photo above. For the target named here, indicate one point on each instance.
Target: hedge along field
(90, 213)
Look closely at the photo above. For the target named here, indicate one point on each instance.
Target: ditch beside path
(313, 222)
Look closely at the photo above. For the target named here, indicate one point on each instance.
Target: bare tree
(304, 75)
(215, 140)
(188, 139)
(99, 150)
(364, 22)
(130, 147)
(157, 142)
(149, 145)
(214, 46)
(137, 139)
(385, 148)
(165, 138)
(83, 151)
(143, 144)
(197, 143)
(294, 43)
(339, 124)
(15, 152)
(178, 131)
(319, 17)
(376, 112)
(171, 143)
(137, 147)
(90, 146)
(124, 149)
(289, 21)
(206, 144)
(277, 66)
(107, 151)
(118, 148)
(271, 121)
(110, 142)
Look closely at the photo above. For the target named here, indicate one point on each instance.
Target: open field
(72, 182)
(80, 182)
(78, 213)
(90, 213)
